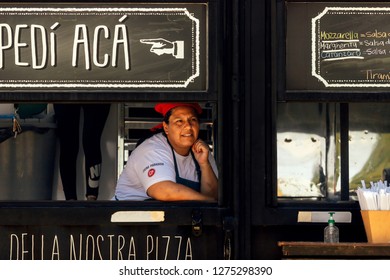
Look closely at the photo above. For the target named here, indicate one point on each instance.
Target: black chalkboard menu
(337, 46)
(103, 46)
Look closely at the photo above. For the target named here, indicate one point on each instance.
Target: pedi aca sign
(71, 46)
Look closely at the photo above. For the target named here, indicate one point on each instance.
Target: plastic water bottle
(331, 232)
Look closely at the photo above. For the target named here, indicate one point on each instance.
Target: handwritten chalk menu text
(106, 47)
(351, 47)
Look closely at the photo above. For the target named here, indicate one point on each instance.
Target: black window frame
(217, 92)
(264, 192)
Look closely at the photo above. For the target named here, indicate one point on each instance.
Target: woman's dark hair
(167, 116)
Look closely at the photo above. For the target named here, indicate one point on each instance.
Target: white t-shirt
(152, 162)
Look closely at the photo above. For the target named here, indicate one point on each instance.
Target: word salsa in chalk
(346, 55)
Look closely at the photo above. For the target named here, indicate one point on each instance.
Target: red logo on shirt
(151, 172)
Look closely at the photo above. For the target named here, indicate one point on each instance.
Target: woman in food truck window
(173, 164)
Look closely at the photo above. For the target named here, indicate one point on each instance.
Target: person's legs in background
(68, 116)
(95, 116)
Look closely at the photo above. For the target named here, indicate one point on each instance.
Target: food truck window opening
(30, 157)
(185, 70)
(310, 163)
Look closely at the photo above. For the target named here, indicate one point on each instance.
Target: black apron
(188, 183)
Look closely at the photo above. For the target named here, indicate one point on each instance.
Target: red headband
(163, 108)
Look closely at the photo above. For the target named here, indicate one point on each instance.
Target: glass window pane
(307, 161)
(369, 138)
